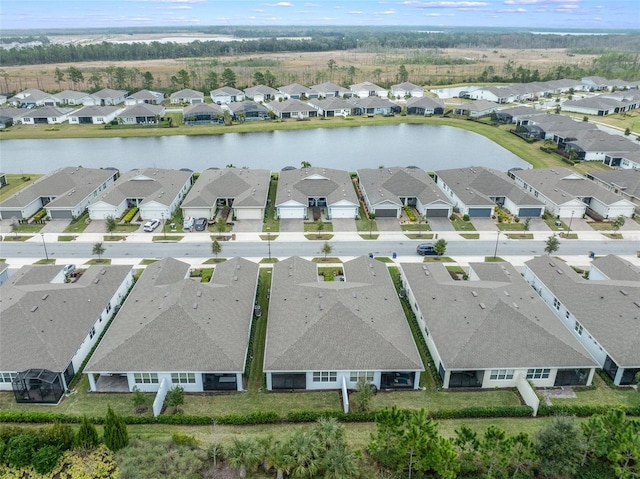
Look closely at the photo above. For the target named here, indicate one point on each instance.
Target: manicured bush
(465, 218)
(130, 215)
(115, 435)
(19, 450)
(184, 440)
(410, 213)
(40, 214)
(46, 459)
(59, 435)
(87, 436)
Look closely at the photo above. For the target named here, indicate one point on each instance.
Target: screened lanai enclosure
(38, 386)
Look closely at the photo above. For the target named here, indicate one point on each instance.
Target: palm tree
(305, 164)
(329, 432)
(278, 458)
(340, 463)
(305, 450)
(244, 455)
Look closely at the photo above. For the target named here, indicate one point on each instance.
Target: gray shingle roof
(68, 185)
(371, 102)
(357, 324)
(627, 181)
(142, 109)
(187, 93)
(248, 187)
(389, 184)
(600, 141)
(497, 321)
(290, 106)
(425, 102)
(333, 103)
(299, 185)
(109, 93)
(48, 112)
(94, 111)
(49, 336)
(609, 315)
(329, 87)
(617, 268)
(202, 108)
(173, 323)
(295, 89)
(263, 89)
(162, 186)
(246, 106)
(225, 90)
(406, 86)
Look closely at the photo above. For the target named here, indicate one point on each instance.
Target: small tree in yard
(361, 399)
(115, 434)
(552, 244)
(98, 249)
(15, 226)
(526, 225)
(87, 436)
(440, 247)
(618, 223)
(372, 217)
(216, 248)
(221, 227)
(139, 400)
(110, 225)
(326, 249)
(175, 398)
(320, 227)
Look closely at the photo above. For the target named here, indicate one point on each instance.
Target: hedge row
(585, 410)
(130, 215)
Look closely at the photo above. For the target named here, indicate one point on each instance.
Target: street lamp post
(164, 230)
(570, 221)
(495, 251)
(269, 241)
(44, 245)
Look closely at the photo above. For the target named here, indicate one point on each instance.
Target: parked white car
(150, 226)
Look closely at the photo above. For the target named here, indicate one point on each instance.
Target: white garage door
(249, 213)
(292, 213)
(337, 212)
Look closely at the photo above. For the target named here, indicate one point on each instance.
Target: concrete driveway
(344, 224)
(56, 226)
(440, 224)
(247, 226)
(484, 224)
(388, 224)
(538, 224)
(291, 226)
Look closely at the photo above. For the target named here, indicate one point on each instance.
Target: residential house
(331, 107)
(512, 114)
(263, 93)
(299, 190)
(406, 90)
(365, 89)
(48, 115)
(492, 330)
(31, 98)
(225, 95)
(175, 330)
(596, 145)
(105, 97)
(605, 104)
(601, 312)
(476, 109)
(71, 97)
(596, 83)
(202, 114)
(157, 193)
(145, 97)
(330, 90)
(558, 128)
(50, 322)
(65, 193)
(386, 191)
(295, 91)
(186, 95)
(292, 109)
(11, 116)
(328, 334)
(373, 105)
(567, 194)
(425, 106)
(244, 191)
(625, 183)
(93, 115)
(248, 110)
(475, 191)
(494, 94)
(141, 114)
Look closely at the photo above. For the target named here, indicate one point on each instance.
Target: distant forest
(265, 40)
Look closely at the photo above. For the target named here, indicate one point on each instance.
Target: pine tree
(115, 435)
(87, 436)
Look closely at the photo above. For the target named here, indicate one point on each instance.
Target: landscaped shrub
(19, 451)
(46, 458)
(130, 215)
(115, 435)
(40, 214)
(184, 440)
(465, 218)
(87, 436)
(410, 213)
(59, 435)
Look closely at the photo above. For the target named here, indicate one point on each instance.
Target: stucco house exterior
(330, 90)
(202, 114)
(299, 190)
(248, 110)
(596, 145)
(33, 97)
(568, 194)
(186, 95)
(49, 325)
(93, 115)
(323, 335)
(144, 96)
(625, 183)
(601, 312)
(106, 96)
(12, 115)
(387, 190)
(263, 93)
(71, 97)
(498, 331)
(425, 106)
(406, 90)
(292, 109)
(476, 109)
(157, 193)
(628, 160)
(176, 330)
(476, 190)
(141, 114)
(48, 115)
(296, 91)
(65, 193)
(365, 89)
(243, 190)
(373, 105)
(226, 94)
(331, 107)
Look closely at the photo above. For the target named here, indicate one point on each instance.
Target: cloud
(168, 1)
(439, 14)
(311, 5)
(355, 12)
(461, 4)
(177, 7)
(281, 4)
(512, 10)
(538, 2)
(386, 12)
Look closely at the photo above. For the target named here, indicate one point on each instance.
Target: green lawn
(526, 236)
(419, 235)
(15, 183)
(492, 259)
(14, 237)
(603, 395)
(99, 261)
(460, 225)
(46, 261)
(551, 223)
(312, 227)
(270, 222)
(510, 226)
(318, 237)
(470, 235)
(601, 225)
(29, 228)
(367, 236)
(434, 400)
(165, 237)
(79, 224)
(437, 259)
(66, 238)
(415, 227)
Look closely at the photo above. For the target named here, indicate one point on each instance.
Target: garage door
(530, 212)
(480, 212)
(437, 213)
(343, 212)
(7, 215)
(60, 214)
(291, 213)
(386, 213)
(248, 213)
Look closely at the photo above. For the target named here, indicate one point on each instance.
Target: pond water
(430, 147)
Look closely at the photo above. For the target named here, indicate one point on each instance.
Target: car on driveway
(69, 268)
(201, 224)
(150, 226)
(426, 249)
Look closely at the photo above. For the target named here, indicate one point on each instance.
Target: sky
(528, 14)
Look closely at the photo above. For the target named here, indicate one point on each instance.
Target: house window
(355, 375)
(325, 376)
(556, 304)
(7, 377)
(578, 327)
(92, 333)
(538, 373)
(501, 374)
(183, 378)
(145, 378)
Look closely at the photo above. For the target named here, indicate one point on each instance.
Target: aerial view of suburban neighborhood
(339, 240)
